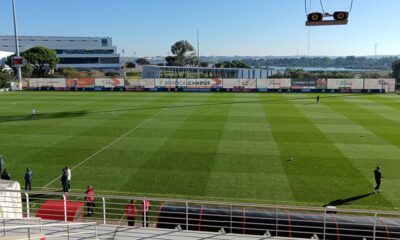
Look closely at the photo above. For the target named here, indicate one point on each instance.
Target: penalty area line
(107, 146)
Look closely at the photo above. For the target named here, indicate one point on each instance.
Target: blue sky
(227, 27)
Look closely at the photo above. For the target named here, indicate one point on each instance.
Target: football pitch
(258, 147)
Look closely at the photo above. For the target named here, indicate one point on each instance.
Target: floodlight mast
(198, 54)
(19, 73)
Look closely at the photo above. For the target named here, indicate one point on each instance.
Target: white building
(77, 52)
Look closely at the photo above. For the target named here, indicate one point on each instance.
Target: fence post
(29, 232)
(376, 217)
(276, 222)
(67, 231)
(104, 210)
(187, 216)
(231, 219)
(95, 231)
(27, 205)
(65, 208)
(324, 224)
(144, 213)
(41, 225)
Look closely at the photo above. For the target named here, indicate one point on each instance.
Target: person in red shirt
(145, 212)
(90, 201)
(130, 212)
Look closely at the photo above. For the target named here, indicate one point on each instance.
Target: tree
(396, 72)
(203, 64)
(233, 64)
(185, 54)
(130, 65)
(70, 72)
(5, 77)
(41, 59)
(171, 61)
(142, 61)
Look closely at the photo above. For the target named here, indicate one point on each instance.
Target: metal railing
(223, 217)
(52, 230)
(6, 222)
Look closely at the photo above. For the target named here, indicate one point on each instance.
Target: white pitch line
(107, 146)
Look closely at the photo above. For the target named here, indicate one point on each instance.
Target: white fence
(257, 219)
(36, 228)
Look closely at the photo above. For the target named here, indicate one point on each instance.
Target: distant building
(204, 72)
(78, 52)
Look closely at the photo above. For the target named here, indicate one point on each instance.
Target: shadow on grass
(55, 115)
(73, 114)
(347, 201)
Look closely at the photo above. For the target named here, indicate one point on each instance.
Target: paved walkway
(88, 231)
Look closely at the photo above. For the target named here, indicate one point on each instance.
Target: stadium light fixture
(317, 18)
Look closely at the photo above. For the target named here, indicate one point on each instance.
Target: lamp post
(19, 73)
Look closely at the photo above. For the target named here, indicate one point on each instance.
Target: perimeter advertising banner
(47, 82)
(274, 83)
(144, 83)
(80, 82)
(204, 83)
(345, 83)
(387, 84)
(165, 82)
(245, 83)
(309, 83)
(109, 82)
(188, 83)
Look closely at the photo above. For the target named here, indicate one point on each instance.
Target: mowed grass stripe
(390, 100)
(376, 105)
(247, 165)
(49, 154)
(109, 155)
(134, 162)
(311, 161)
(183, 163)
(346, 141)
(386, 156)
(359, 113)
(48, 150)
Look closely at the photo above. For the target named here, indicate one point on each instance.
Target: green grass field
(270, 148)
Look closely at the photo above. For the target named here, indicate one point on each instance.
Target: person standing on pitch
(28, 179)
(318, 99)
(1, 163)
(34, 113)
(378, 177)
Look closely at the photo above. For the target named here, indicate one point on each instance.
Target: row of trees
(351, 62)
(302, 74)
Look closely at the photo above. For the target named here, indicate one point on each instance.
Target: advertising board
(47, 82)
(204, 83)
(274, 83)
(345, 83)
(387, 84)
(80, 82)
(109, 82)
